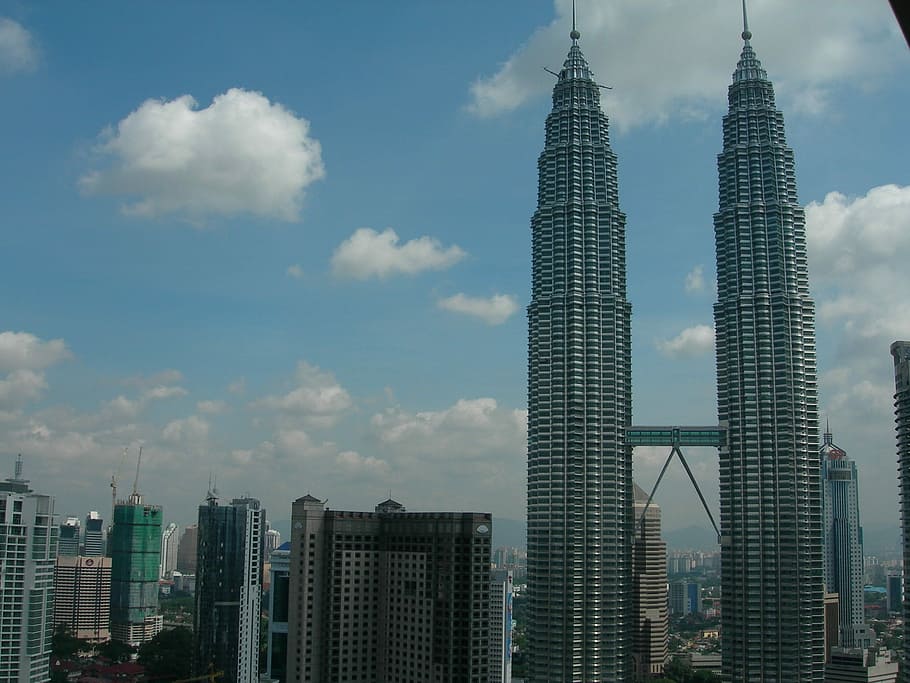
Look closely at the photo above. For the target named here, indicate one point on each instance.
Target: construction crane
(114, 478)
(135, 498)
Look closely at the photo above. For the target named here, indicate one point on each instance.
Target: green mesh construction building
(135, 549)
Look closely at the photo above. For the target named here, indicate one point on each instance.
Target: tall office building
(684, 598)
(135, 544)
(772, 581)
(168, 551)
(82, 596)
(650, 641)
(280, 571)
(28, 548)
(900, 351)
(228, 588)
(388, 595)
(186, 550)
(844, 543)
(579, 399)
(501, 626)
(93, 535)
(68, 537)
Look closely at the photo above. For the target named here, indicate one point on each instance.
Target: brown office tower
(649, 581)
(388, 595)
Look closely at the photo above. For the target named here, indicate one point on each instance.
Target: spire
(575, 35)
(828, 436)
(747, 34)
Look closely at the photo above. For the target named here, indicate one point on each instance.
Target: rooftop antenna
(19, 468)
(747, 34)
(575, 35)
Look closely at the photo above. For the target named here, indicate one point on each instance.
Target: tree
(65, 645)
(116, 650)
(169, 654)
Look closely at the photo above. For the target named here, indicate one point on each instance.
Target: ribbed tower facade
(900, 351)
(844, 543)
(579, 399)
(771, 512)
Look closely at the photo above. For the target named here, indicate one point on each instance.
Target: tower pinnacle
(747, 34)
(575, 35)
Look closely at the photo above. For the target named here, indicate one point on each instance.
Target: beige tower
(649, 580)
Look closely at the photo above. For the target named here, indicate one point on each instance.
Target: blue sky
(197, 205)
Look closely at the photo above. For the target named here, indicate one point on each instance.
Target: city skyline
(359, 363)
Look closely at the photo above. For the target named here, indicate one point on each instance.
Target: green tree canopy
(169, 654)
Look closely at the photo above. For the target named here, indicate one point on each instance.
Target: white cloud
(191, 430)
(238, 386)
(368, 253)
(24, 351)
(494, 310)
(211, 407)
(294, 271)
(17, 48)
(355, 463)
(692, 341)
(161, 392)
(633, 46)
(240, 155)
(695, 280)
(318, 398)
(21, 387)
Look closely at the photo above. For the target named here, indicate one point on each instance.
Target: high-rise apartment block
(228, 588)
(579, 398)
(844, 543)
(650, 641)
(501, 626)
(82, 596)
(168, 551)
(895, 588)
(388, 595)
(93, 535)
(900, 351)
(135, 546)
(772, 581)
(28, 549)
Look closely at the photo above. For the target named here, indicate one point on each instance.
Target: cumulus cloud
(187, 430)
(631, 46)
(857, 259)
(17, 48)
(494, 310)
(367, 254)
(21, 387)
(695, 280)
(24, 351)
(318, 399)
(240, 155)
(294, 271)
(161, 392)
(692, 341)
(211, 407)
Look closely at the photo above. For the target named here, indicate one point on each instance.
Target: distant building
(895, 586)
(82, 596)
(186, 550)
(228, 588)
(28, 549)
(279, 568)
(859, 665)
(650, 646)
(168, 551)
(135, 544)
(832, 623)
(272, 541)
(685, 598)
(843, 537)
(68, 537)
(388, 595)
(900, 351)
(93, 535)
(501, 626)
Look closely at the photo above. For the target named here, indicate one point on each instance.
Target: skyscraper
(93, 535)
(168, 551)
(650, 641)
(388, 595)
(135, 554)
(501, 626)
(68, 537)
(186, 550)
(579, 398)
(228, 588)
(28, 548)
(770, 483)
(280, 570)
(844, 543)
(900, 351)
(82, 596)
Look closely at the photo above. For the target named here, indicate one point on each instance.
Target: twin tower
(580, 501)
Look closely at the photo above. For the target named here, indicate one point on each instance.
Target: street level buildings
(579, 399)
(388, 595)
(772, 579)
(844, 543)
(650, 642)
(135, 546)
(900, 352)
(228, 588)
(82, 596)
(28, 550)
